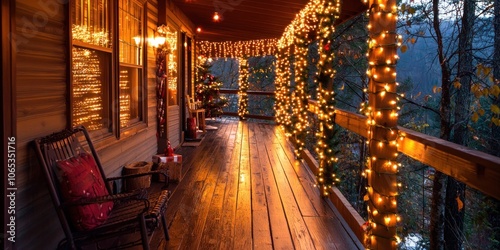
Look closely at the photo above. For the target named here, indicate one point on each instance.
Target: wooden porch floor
(243, 189)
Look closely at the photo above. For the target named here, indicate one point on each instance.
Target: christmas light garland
(243, 88)
(282, 83)
(238, 49)
(327, 139)
(88, 89)
(382, 113)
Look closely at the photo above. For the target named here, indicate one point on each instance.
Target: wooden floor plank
(306, 207)
(298, 229)
(260, 219)
(243, 219)
(231, 192)
(280, 232)
(336, 238)
(243, 189)
(317, 226)
(188, 195)
(211, 236)
(306, 177)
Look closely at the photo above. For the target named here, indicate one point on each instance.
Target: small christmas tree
(207, 92)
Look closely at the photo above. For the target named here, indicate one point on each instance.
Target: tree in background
(461, 35)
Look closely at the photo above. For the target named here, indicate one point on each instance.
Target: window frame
(141, 68)
(113, 128)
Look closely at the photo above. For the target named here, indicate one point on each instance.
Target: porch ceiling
(249, 19)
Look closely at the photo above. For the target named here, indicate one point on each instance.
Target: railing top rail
(477, 169)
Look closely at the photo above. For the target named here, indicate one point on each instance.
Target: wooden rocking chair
(69, 169)
(196, 112)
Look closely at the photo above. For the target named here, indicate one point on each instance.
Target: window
(131, 57)
(90, 93)
(97, 87)
(91, 54)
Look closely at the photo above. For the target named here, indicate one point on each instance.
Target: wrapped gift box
(173, 164)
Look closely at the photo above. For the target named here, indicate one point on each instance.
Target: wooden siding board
(40, 99)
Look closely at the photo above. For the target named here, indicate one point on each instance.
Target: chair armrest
(124, 177)
(136, 195)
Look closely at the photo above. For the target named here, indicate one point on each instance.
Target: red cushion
(80, 178)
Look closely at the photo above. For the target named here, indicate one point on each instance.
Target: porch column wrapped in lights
(243, 88)
(282, 83)
(382, 113)
(328, 12)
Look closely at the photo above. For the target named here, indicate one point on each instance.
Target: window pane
(90, 91)
(91, 22)
(131, 32)
(129, 95)
(130, 22)
(172, 62)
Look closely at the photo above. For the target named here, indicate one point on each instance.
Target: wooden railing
(249, 92)
(474, 168)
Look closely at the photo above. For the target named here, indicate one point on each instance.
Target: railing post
(382, 127)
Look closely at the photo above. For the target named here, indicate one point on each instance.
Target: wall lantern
(159, 36)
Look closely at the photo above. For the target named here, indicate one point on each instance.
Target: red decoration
(169, 151)
(327, 47)
(80, 179)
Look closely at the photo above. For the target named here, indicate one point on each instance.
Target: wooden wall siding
(180, 18)
(174, 126)
(41, 109)
(41, 94)
(152, 24)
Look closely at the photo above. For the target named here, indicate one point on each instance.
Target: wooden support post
(382, 123)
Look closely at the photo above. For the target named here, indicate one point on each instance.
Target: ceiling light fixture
(216, 17)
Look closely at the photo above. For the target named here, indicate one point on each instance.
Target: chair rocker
(88, 210)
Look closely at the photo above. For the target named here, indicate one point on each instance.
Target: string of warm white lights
(88, 87)
(282, 83)
(243, 88)
(382, 113)
(125, 98)
(238, 49)
(86, 34)
(328, 12)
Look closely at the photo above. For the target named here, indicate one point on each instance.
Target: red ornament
(327, 46)
(169, 151)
